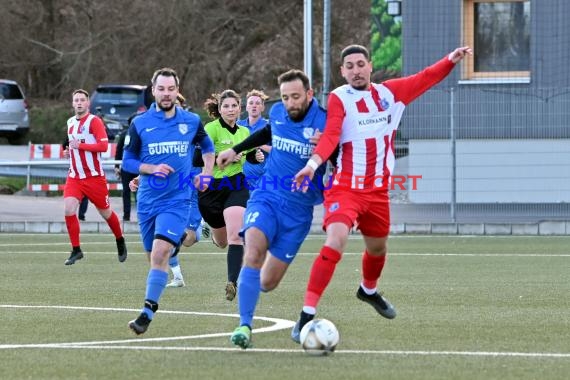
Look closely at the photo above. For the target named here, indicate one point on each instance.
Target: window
(10, 91)
(499, 32)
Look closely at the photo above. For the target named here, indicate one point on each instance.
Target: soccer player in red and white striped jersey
(86, 178)
(362, 119)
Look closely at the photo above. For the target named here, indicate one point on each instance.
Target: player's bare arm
(202, 181)
(308, 171)
(154, 169)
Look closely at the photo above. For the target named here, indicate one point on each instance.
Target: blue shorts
(165, 223)
(285, 224)
(194, 216)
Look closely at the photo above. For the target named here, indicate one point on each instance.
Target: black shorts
(221, 194)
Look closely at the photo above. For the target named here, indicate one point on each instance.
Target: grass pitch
(468, 308)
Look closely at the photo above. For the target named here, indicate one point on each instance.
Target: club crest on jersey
(183, 128)
(308, 133)
(384, 104)
(80, 130)
(333, 207)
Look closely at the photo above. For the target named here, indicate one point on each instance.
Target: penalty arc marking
(278, 324)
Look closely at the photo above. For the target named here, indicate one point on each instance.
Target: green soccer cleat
(242, 337)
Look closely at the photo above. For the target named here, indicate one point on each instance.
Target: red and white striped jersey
(363, 124)
(86, 161)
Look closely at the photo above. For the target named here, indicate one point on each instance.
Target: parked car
(115, 103)
(14, 118)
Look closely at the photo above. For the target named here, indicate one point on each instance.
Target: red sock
(321, 274)
(371, 269)
(72, 223)
(115, 225)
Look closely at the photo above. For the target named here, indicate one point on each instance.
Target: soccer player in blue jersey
(255, 105)
(160, 145)
(277, 220)
(192, 233)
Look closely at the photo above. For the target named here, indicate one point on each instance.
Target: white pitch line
(539, 355)
(278, 324)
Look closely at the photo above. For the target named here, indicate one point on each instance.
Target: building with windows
(497, 130)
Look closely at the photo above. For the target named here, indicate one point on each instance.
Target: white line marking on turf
(278, 324)
(538, 355)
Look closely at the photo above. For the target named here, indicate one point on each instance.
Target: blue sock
(155, 284)
(249, 286)
(173, 261)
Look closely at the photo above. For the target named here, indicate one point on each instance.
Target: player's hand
(301, 178)
(459, 53)
(163, 169)
(238, 157)
(314, 139)
(134, 184)
(66, 153)
(259, 156)
(202, 181)
(225, 158)
(74, 144)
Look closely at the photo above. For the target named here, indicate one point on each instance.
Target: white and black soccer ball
(319, 337)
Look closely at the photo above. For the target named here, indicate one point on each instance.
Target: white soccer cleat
(176, 283)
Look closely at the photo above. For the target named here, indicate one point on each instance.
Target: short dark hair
(294, 74)
(353, 49)
(80, 91)
(166, 72)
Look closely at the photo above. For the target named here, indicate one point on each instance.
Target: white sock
(368, 291)
(310, 310)
(176, 272)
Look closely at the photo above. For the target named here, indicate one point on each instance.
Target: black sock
(235, 257)
(305, 318)
(77, 249)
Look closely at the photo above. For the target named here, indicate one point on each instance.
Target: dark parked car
(115, 103)
(14, 118)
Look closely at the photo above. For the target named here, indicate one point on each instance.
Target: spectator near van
(14, 118)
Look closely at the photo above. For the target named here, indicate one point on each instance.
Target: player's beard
(359, 87)
(166, 108)
(299, 113)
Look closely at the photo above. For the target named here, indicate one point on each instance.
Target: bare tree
(53, 46)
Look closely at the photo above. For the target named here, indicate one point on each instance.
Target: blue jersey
(253, 170)
(290, 152)
(152, 139)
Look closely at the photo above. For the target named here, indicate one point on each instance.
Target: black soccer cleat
(140, 325)
(121, 249)
(304, 318)
(378, 302)
(76, 254)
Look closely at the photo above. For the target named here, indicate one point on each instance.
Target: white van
(14, 118)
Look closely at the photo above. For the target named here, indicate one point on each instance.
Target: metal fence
(484, 155)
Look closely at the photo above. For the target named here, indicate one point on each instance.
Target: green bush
(10, 185)
(48, 124)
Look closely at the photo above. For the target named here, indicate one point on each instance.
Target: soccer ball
(319, 337)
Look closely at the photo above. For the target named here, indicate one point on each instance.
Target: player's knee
(253, 259)
(268, 285)
(190, 239)
(378, 250)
